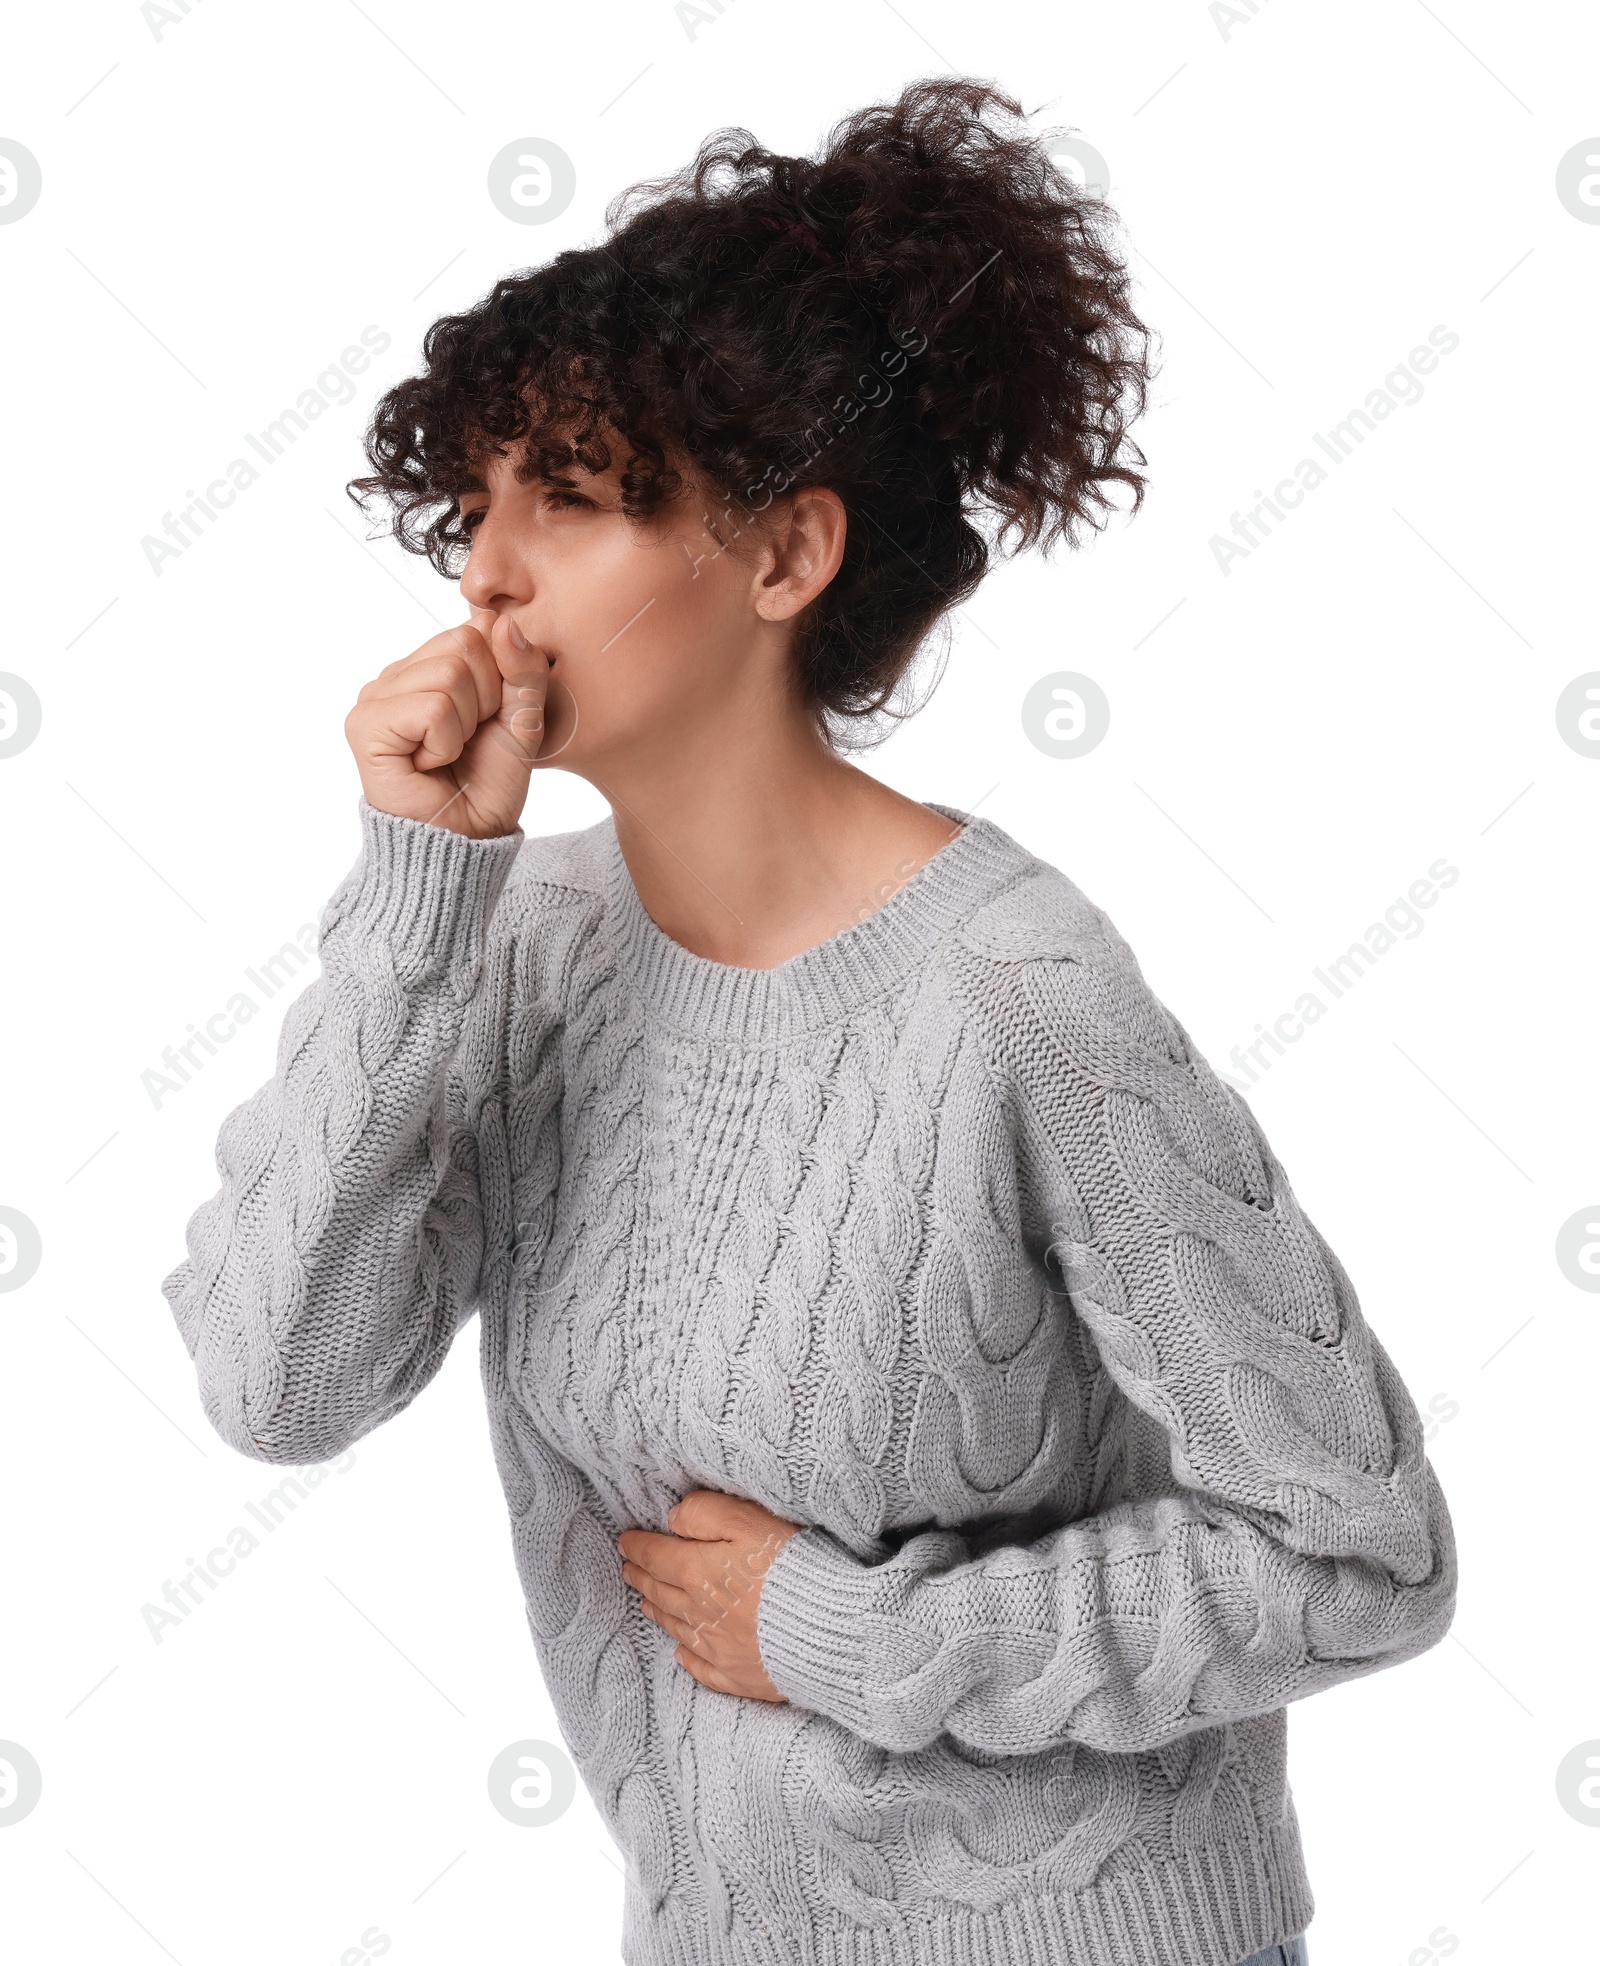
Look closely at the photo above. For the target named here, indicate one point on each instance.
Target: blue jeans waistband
(1291, 1953)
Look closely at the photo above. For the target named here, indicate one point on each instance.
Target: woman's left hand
(702, 1584)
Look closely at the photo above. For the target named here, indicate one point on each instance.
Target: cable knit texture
(940, 1239)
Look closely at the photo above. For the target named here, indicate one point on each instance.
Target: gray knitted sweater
(940, 1239)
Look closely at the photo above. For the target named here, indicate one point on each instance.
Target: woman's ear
(807, 548)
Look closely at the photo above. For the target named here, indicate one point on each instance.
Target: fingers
(699, 1589)
(671, 1620)
(701, 1630)
(715, 1636)
(709, 1534)
(667, 1558)
(698, 1669)
(713, 1514)
(704, 1513)
(524, 674)
(416, 732)
(450, 733)
(668, 1597)
(461, 652)
(521, 663)
(427, 706)
(751, 1684)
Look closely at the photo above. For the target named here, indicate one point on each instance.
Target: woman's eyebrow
(577, 478)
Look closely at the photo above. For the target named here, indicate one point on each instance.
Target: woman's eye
(553, 496)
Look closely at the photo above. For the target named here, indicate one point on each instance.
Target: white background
(1291, 745)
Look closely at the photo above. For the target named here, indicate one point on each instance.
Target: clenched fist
(450, 734)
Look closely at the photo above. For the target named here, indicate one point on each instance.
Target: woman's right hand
(450, 734)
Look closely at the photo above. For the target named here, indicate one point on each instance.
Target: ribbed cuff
(814, 1623)
(426, 892)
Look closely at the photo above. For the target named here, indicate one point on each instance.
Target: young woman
(938, 1445)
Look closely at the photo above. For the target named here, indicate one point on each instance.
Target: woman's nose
(492, 578)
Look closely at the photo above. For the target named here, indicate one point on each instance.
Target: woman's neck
(747, 846)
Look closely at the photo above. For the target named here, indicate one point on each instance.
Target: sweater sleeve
(1297, 1536)
(327, 1276)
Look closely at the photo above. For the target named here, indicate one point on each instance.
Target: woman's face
(652, 629)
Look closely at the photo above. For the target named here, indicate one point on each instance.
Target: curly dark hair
(928, 317)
